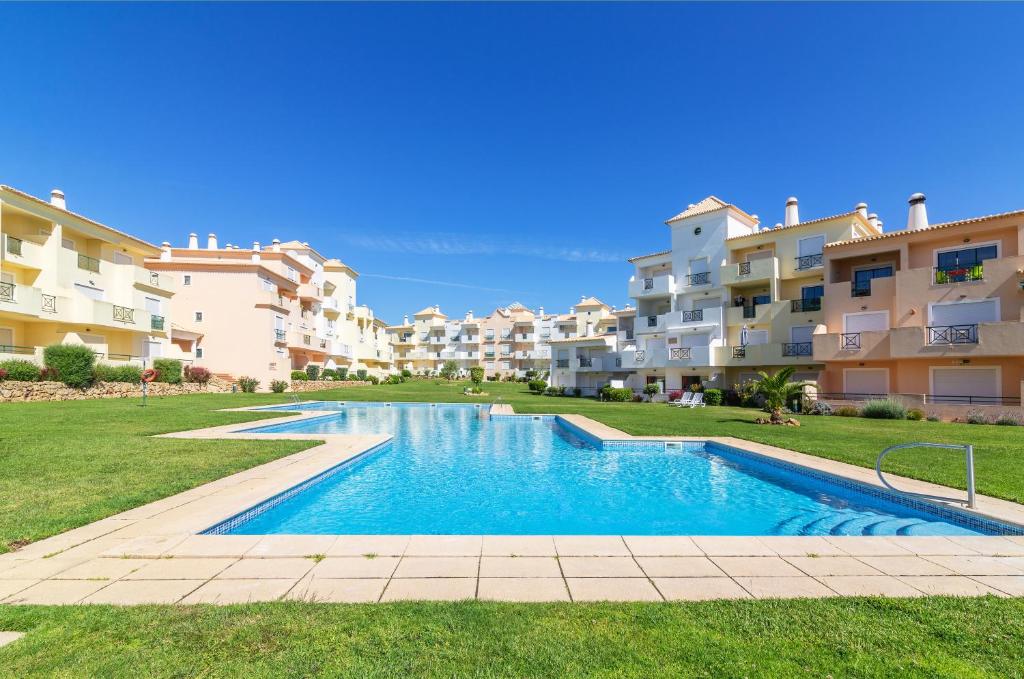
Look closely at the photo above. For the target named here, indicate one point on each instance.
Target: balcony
(23, 253)
(97, 312)
(655, 286)
(808, 262)
(689, 356)
(156, 323)
(308, 292)
(698, 279)
(958, 274)
(330, 305)
(754, 271)
(694, 318)
(562, 363)
(753, 355)
(88, 263)
(952, 334)
(797, 349)
(280, 336)
(998, 338)
(16, 350)
(650, 357)
(852, 346)
(651, 323)
(798, 306)
(751, 314)
(153, 280)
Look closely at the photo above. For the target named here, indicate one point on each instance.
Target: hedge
(73, 363)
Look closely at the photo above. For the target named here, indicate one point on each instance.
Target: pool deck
(155, 554)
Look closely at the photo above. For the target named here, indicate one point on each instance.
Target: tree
(476, 373)
(449, 370)
(778, 391)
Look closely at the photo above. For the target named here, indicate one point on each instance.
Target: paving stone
(523, 589)
(444, 545)
(678, 567)
(590, 545)
(612, 589)
(181, 569)
(355, 567)
(831, 565)
(519, 567)
(1012, 585)
(947, 585)
(904, 565)
(699, 589)
(214, 545)
(10, 637)
(655, 545)
(430, 589)
(286, 568)
(784, 587)
(733, 546)
(978, 565)
(600, 567)
(755, 566)
(239, 591)
(56, 592)
(292, 545)
(361, 545)
(438, 567)
(856, 545)
(868, 585)
(519, 545)
(102, 569)
(130, 592)
(339, 590)
(800, 545)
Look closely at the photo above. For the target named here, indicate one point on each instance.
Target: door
(862, 278)
(761, 254)
(965, 385)
(812, 245)
(757, 337)
(867, 322)
(812, 292)
(801, 334)
(866, 382)
(965, 313)
(153, 306)
(6, 339)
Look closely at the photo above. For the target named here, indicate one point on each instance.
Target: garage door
(875, 320)
(866, 382)
(965, 385)
(965, 313)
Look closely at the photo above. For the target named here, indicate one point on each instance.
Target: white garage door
(867, 381)
(875, 320)
(965, 313)
(964, 385)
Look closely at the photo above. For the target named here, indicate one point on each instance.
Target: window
(490, 334)
(186, 280)
(812, 245)
(862, 278)
(199, 317)
(153, 306)
(699, 265)
(966, 257)
(762, 299)
(812, 292)
(67, 243)
(199, 352)
(506, 365)
(489, 365)
(121, 258)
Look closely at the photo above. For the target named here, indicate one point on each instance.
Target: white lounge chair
(684, 400)
(697, 400)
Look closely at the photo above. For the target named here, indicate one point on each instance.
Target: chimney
(792, 213)
(211, 241)
(437, 308)
(165, 252)
(879, 224)
(405, 319)
(862, 208)
(469, 315)
(276, 245)
(873, 220)
(757, 223)
(917, 218)
(193, 241)
(57, 199)
(255, 251)
(540, 311)
(778, 225)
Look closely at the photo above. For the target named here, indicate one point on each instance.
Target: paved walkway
(153, 554)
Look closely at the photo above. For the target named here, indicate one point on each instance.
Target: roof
(336, 264)
(653, 254)
(591, 301)
(183, 331)
(299, 245)
(576, 340)
(93, 222)
(776, 229)
(931, 227)
(709, 204)
(430, 311)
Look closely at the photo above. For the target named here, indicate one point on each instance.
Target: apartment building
(265, 311)
(587, 352)
(935, 311)
(65, 278)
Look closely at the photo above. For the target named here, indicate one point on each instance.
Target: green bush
(884, 409)
(299, 376)
(610, 393)
(976, 417)
(406, 373)
(196, 374)
(248, 384)
(73, 363)
(278, 386)
(652, 389)
(476, 373)
(313, 371)
(713, 397)
(373, 379)
(361, 375)
(1007, 420)
(168, 370)
(537, 386)
(394, 379)
(846, 411)
(554, 391)
(343, 374)
(329, 374)
(20, 371)
(819, 408)
(915, 414)
(117, 373)
(577, 392)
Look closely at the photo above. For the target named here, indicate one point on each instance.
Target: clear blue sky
(515, 152)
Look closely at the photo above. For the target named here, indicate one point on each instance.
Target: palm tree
(778, 391)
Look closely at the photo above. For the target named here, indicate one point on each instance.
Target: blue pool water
(451, 470)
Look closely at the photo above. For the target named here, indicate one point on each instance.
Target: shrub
(361, 374)
(342, 373)
(248, 384)
(884, 409)
(393, 379)
(476, 374)
(577, 392)
(20, 371)
(846, 411)
(117, 373)
(652, 389)
(313, 372)
(537, 386)
(449, 369)
(675, 395)
(554, 391)
(530, 374)
(196, 374)
(638, 398)
(3, 374)
(299, 376)
(329, 374)
(975, 417)
(1007, 420)
(406, 373)
(621, 394)
(48, 375)
(934, 418)
(915, 414)
(819, 408)
(278, 386)
(373, 379)
(73, 363)
(168, 370)
(713, 397)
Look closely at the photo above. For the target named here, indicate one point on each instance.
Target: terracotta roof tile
(931, 227)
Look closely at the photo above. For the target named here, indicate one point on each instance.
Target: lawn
(931, 637)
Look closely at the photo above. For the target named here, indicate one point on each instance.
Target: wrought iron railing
(702, 278)
(808, 262)
(692, 316)
(943, 275)
(562, 363)
(307, 339)
(156, 322)
(807, 304)
(7, 292)
(739, 352)
(586, 362)
(123, 314)
(652, 321)
(48, 303)
(14, 245)
(323, 344)
(154, 279)
(88, 263)
(279, 335)
(679, 353)
(744, 269)
(648, 284)
(860, 290)
(849, 341)
(953, 334)
(16, 349)
(640, 355)
(750, 311)
(618, 362)
(797, 349)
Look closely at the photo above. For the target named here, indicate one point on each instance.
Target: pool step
(853, 523)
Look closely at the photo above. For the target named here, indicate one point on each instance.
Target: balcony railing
(744, 269)
(702, 278)
(652, 321)
(739, 352)
(807, 304)
(123, 357)
(750, 311)
(694, 316)
(156, 322)
(797, 349)
(16, 349)
(679, 353)
(48, 303)
(307, 339)
(648, 284)
(279, 335)
(944, 275)
(953, 334)
(562, 363)
(849, 341)
(124, 314)
(860, 290)
(640, 355)
(808, 262)
(88, 263)
(14, 245)
(618, 361)
(7, 292)
(586, 362)
(154, 279)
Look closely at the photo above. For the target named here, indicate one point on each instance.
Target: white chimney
(211, 241)
(917, 218)
(276, 245)
(540, 311)
(862, 208)
(193, 241)
(879, 224)
(57, 199)
(469, 315)
(873, 220)
(778, 225)
(405, 320)
(792, 213)
(255, 251)
(437, 308)
(165, 252)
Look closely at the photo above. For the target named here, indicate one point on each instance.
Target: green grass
(932, 637)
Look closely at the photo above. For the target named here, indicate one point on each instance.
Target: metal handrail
(968, 449)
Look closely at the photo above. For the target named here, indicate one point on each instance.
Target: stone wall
(944, 411)
(309, 385)
(57, 391)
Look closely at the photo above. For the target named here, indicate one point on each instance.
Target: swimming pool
(451, 469)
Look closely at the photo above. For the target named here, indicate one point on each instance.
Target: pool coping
(156, 553)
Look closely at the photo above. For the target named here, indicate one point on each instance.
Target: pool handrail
(968, 450)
